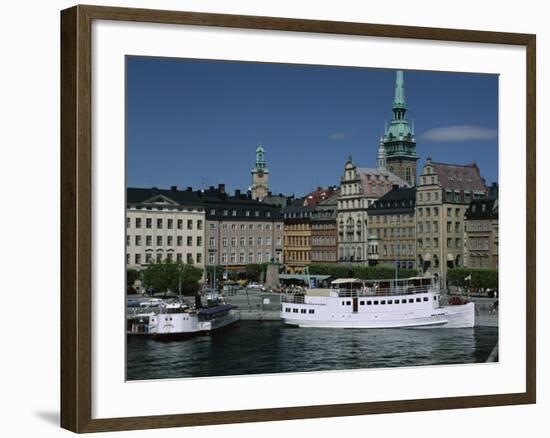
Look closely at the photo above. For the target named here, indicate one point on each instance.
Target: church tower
(260, 174)
(399, 139)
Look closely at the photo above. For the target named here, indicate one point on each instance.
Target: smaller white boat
(177, 322)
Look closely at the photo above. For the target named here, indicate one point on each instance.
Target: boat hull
(455, 316)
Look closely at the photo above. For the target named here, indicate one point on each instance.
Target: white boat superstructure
(174, 323)
(351, 303)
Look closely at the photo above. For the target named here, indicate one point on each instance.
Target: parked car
(254, 285)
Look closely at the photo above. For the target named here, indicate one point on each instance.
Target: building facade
(481, 233)
(443, 195)
(392, 228)
(260, 176)
(240, 230)
(397, 146)
(324, 233)
(297, 237)
(359, 188)
(164, 225)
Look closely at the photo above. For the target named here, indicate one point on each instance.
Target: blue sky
(197, 123)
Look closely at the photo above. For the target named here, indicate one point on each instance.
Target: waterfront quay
(257, 305)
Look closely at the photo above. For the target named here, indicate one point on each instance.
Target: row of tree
(473, 278)
(167, 276)
(361, 272)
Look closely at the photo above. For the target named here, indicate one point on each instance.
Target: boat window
(376, 303)
(294, 310)
(425, 298)
(348, 303)
(396, 302)
(343, 303)
(418, 300)
(369, 303)
(287, 309)
(411, 300)
(362, 303)
(302, 310)
(390, 301)
(383, 302)
(403, 301)
(311, 310)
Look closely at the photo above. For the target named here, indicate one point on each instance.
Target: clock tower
(260, 174)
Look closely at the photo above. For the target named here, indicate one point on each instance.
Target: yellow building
(297, 238)
(443, 195)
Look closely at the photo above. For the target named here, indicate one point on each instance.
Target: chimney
(237, 193)
(174, 188)
(211, 188)
(189, 189)
(221, 188)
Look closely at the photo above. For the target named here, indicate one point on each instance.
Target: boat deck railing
(358, 293)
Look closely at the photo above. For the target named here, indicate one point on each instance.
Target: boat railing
(357, 293)
(370, 292)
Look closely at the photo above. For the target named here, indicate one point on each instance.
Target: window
(138, 240)
(250, 241)
(189, 259)
(138, 222)
(148, 240)
(179, 257)
(138, 259)
(311, 311)
(233, 257)
(199, 224)
(180, 224)
(242, 241)
(148, 258)
(169, 257)
(170, 224)
(199, 240)
(189, 240)
(159, 240)
(128, 225)
(169, 240)
(233, 241)
(425, 299)
(211, 258)
(411, 300)
(259, 241)
(418, 300)
(241, 257)
(375, 303)
(149, 223)
(159, 257)
(159, 223)
(212, 242)
(189, 224)
(224, 241)
(250, 257)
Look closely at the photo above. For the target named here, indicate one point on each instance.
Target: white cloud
(459, 133)
(338, 136)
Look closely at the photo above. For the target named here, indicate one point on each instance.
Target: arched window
(408, 175)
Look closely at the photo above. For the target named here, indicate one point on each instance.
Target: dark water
(253, 347)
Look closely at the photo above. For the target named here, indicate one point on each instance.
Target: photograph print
(289, 218)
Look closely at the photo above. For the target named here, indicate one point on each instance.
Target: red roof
(459, 177)
(318, 195)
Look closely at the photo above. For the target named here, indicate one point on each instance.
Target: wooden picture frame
(76, 218)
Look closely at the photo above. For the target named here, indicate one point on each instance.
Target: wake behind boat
(352, 303)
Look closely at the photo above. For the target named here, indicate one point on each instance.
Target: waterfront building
(443, 195)
(324, 233)
(297, 236)
(260, 176)
(397, 146)
(164, 225)
(481, 233)
(391, 228)
(240, 230)
(359, 188)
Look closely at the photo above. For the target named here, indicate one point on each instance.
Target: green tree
(378, 272)
(131, 276)
(168, 276)
(473, 278)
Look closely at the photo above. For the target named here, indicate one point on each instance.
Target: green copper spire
(260, 166)
(399, 99)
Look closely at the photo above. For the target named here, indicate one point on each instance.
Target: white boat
(174, 322)
(352, 303)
